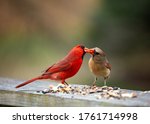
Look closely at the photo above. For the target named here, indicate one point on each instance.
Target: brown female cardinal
(99, 65)
(65, 68)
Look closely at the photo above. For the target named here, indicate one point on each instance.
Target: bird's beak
(91, 51)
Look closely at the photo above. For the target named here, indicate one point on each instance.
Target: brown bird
(99, 65)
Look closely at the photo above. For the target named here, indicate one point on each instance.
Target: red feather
(65, 68)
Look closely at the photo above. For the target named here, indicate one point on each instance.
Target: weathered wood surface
(27, 96)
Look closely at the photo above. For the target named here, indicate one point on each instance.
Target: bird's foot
(64, 88)
(65, 83)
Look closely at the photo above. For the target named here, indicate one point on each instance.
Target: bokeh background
(34, 34)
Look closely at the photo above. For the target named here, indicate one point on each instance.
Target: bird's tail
(29, 81)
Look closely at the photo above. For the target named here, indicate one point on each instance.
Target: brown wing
(107, 65)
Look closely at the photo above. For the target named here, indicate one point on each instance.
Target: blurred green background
(34, 34)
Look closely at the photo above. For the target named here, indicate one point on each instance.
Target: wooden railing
(29, 96)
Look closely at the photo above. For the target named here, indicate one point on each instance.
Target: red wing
(58, 67)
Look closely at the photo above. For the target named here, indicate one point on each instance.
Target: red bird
(65, 68)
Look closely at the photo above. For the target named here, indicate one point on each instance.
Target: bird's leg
(94, 83)
(105, 78)
(105, 86)
(66, 83)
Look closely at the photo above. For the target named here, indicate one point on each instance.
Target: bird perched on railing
(99, 65)
(65, 68)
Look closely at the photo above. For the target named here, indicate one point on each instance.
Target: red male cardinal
(65, 68)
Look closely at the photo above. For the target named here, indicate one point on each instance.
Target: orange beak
(91, 51)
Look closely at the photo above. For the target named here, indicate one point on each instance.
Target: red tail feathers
(29, 81)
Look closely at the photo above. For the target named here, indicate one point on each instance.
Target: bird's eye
(96, 53)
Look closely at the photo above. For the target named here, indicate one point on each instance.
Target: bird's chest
(75, 67)
(98, 68)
